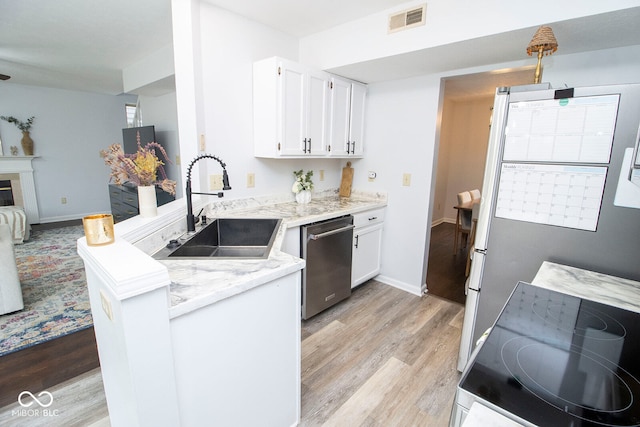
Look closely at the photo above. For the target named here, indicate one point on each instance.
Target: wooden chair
(463, 219)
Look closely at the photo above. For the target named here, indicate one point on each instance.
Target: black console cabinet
(124, 200)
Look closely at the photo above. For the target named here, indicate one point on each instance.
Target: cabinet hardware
(372, 218)
(330, 85)
(357, 238)
(348, 146)
(305, 145)
(278, 146)
(353, 147)
(309, 145)
(279, 70)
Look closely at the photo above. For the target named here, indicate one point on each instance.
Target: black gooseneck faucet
(191, 220)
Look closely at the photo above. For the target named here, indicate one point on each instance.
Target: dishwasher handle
(329, 233)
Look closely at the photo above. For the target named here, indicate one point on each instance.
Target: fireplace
(6, 195)
(19, 171)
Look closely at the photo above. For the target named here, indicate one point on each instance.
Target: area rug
(54, 289)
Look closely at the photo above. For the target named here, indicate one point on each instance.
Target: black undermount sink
(231, 238)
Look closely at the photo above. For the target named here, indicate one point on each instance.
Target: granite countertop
(198, 283)
(589, 285)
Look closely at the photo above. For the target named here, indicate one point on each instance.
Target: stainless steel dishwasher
(326, 279)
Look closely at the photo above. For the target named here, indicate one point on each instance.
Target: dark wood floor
(446, 270)
(37, 368)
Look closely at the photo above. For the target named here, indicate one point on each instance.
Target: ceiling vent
(407, 19)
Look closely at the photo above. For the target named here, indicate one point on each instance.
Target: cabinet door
(291, 110)
(367, 243)
(339, 117)
(356, 118)
(317, 111)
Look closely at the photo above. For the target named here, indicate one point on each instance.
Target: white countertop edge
(235, 288)
(136, 272)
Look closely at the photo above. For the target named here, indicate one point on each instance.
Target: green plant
(303, 181)
(23, 126)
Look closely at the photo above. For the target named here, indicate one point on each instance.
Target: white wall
(161, 112)
(399, 137)
(69, 130)
(230, 44)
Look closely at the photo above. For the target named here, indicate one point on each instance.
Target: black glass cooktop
(558, 360)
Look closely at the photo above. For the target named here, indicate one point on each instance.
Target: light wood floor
(381, 358)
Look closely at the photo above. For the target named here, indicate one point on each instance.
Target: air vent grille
(407, 19)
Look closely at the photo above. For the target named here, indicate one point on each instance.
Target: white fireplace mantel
(22, 165)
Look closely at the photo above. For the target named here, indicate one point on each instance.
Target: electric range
(553, 359)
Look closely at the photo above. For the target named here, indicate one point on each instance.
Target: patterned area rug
(54, 289)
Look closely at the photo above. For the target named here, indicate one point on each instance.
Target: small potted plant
(26, 141)
(302, 186)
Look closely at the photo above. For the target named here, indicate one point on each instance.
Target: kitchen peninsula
(195, 342)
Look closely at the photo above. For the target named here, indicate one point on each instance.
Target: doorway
(464, 131)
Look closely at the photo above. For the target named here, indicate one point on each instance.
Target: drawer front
(115, 193)
(373, 216)
(130, 199)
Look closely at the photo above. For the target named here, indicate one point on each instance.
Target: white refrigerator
(561, 184)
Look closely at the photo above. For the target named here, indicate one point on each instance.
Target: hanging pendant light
(545, 43)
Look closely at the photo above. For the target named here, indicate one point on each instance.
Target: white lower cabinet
(367, 245)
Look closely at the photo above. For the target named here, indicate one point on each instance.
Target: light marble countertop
(198, 283)
(589, 285)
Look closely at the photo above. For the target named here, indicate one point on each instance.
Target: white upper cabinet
(300, 112)
(346, 116)
(290, 107)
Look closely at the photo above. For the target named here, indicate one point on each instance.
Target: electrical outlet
(251, 180)
(215, 182)
(321, 173)
(203, 146)
(63, 200)
(406, 179)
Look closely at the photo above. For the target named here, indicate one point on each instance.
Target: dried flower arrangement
(303, 181)
(140, 168)
(23, 126)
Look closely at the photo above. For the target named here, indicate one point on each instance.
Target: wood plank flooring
(383, 357)
(446, 270)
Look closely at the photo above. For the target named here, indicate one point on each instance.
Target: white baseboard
(441, 220)
(400, 285)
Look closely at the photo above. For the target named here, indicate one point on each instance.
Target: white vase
(303, 196)
(147, 203)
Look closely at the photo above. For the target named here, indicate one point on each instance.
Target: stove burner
(540, 369)
(590, 320)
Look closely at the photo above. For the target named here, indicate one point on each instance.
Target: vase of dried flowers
(141, 169)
